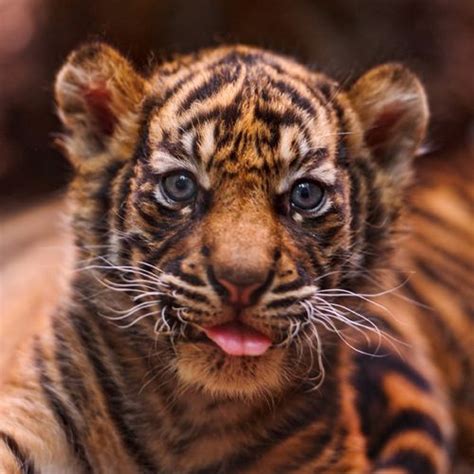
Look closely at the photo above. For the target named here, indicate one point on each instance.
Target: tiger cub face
(232, 193)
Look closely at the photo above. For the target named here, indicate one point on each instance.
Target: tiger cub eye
(179, 186)
(307, 195)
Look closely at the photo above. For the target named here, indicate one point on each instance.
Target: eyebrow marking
(326, 173)
(187, 140)
(207, 143)
(162, 161)
(303, 146)
(286, 141)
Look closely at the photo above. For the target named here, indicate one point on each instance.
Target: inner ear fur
(97, 92)
(392, 107)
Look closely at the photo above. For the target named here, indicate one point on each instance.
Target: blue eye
(307, 195)
(179, 186)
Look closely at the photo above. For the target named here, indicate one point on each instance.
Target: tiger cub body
(245, 298)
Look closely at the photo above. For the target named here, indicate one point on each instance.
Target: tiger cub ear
(97, 92)
(391, 104)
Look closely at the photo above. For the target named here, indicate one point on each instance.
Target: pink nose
(238, 295)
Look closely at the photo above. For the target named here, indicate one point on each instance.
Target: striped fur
(371, 365)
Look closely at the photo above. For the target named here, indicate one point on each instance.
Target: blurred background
(342, 37)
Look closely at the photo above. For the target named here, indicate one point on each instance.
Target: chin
(205, 366)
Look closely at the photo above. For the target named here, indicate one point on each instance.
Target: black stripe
(328, 90)
(443, 332)
(61, 412)
(317, 266)
(141, 152)
(121, 199)
(369, 172)
(174, 267)
(144, 198)
(142, 149)
(405, 420)
(342, 158)
(326, 235)
(71, 376)
(446, 253)
(24, 462)
(121, 208)
(296, 98)
(103, 199)
(208, 68)
(141, 242)
(220, 289)
(217, 81)
(371, 399)
(311, 447)
(444, 277)
(381, 364)
(242, 461)
(313, 158)
(412, 461)
(193, 280)
(192, 295)
(112, 392)
(444, 224)
(282, 303)
(227, 117)
(337, 451)
(167, 242)
(169, 94)
(316, 92)
(355, 202)
(271, 117)
(292, 285)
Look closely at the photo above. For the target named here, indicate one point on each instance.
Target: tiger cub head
(228, 197)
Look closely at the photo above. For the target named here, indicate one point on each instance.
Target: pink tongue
(238, 340)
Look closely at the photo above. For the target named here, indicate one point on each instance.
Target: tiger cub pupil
(307, 195)
(179, 186)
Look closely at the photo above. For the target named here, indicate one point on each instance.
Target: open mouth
(238, 339)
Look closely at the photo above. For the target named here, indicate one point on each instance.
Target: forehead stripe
(296, 97)
(181, 83)
(217, 81)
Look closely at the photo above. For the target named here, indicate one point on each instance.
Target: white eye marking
(207, 144)
(160, 197)
(185, 211)
(162, 161)
(303, 146)
(286, 139)
(325, 173)
(324, 208)
(187, 141)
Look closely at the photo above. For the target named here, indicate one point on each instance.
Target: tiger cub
(243, 298)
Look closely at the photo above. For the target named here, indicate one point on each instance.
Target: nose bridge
(241, 239)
